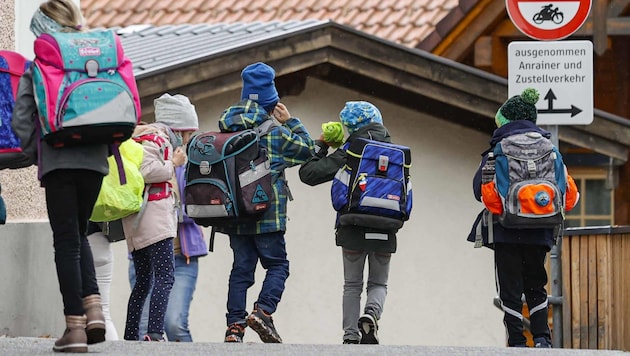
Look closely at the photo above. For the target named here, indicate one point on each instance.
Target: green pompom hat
(519, 107)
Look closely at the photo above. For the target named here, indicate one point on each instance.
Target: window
(596, 205)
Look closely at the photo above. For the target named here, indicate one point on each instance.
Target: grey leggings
(353, 266)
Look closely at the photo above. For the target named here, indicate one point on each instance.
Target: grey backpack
(531, 181)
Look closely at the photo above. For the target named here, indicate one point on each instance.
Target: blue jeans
(176, 318)
(270, 249)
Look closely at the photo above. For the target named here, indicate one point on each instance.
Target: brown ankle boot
(74, 338)
(95, 328)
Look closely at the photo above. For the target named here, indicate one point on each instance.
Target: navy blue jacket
(543, 237)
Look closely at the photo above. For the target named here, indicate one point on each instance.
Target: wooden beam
(599, 12)
(598, 144)
(483, 52)
(481, 17)
(433, 87)
(618, 26)
(403, 63)
(617, 7)
(609, 129)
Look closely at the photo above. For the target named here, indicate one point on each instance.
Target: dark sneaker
(542, 343)
(348, 341)
(235, 333)
(368, 328)
(153, 337)
(262, 324)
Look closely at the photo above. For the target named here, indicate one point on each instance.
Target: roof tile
(407, 22)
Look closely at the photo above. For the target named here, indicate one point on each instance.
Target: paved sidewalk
(43, 346)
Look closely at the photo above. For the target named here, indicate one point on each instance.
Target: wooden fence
(596, 288)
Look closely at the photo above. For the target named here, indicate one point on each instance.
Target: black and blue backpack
(373, 188)
(228, 177)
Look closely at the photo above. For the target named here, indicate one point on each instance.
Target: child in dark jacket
(362, 120)
(519, 254)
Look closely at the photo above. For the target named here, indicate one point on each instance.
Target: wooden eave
(411, 78)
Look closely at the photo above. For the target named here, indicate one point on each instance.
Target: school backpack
(84, 88)
(373, 189)
(12, 67)
(530, 179)
(228, 177)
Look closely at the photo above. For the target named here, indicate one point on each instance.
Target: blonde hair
(65, 12)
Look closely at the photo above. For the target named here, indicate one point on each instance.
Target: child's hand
(179, 157)
(281, 113)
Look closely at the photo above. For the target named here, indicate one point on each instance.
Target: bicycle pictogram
(549, 14)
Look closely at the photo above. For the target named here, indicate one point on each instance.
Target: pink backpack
(85, 89)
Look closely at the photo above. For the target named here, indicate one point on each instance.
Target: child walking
(150, 233)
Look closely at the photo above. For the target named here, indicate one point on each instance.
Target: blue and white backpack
(373, 189)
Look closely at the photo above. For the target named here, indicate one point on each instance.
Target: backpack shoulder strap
(265, 128)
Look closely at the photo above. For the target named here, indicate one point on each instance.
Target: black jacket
(322, 168)
(543, 237)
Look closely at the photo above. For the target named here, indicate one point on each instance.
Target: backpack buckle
(531, 168)
(91, 67)
(204, 168)
(383, 163)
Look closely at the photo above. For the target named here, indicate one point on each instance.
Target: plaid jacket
(287, 145)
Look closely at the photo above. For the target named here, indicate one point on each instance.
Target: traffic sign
(561, 71)
(548, 20)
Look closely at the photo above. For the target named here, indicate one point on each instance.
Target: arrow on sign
(550, 97)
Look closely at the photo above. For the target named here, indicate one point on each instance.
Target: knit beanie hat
(258, 85)
(176, 112)
(519, 107)
(357, 114)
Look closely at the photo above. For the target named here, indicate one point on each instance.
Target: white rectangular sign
(561, 71)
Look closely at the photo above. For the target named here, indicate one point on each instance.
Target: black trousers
(70, 198)
(520, 269)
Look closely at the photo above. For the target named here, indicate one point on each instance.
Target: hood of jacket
(246, 114)
(373, 131)
(516, 127)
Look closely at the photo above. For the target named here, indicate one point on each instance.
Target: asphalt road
(43, 346)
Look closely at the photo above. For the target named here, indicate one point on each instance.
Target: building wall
(440, 288)
(436, 276)
(7, 33)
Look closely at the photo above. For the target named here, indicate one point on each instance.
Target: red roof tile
(406, 22)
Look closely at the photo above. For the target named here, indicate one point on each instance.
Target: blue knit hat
(258, 85)
(357, 114)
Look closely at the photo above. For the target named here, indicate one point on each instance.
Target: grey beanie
(176, 112)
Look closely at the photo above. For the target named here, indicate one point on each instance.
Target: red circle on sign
(543, 34)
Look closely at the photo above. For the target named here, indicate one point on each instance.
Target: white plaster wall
(441, 288)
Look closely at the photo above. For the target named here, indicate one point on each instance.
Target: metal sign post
(562, 71)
